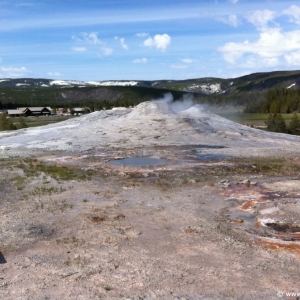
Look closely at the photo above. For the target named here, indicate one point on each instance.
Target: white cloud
(88, 38)
(122, 42)
(232, 20)
(233, 1)
(160, 41)
(92, 40)
(124, 46)
(13, 72)
(187, 60)
(272, 47)
(293, 58)
(260, 18)
(140, 60)
(294, 13)
(178, 66)
(105, 51)
(142, 34)
(79, 49)
(55, 74)
(253, 61)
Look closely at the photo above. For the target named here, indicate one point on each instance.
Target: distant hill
(206, 85)
(31, 91)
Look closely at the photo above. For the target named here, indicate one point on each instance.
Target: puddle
(208, 147)
(201, 154)
(139, 161)
(284, 227)
(241, 217)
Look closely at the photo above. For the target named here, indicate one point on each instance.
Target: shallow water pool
(139, 161)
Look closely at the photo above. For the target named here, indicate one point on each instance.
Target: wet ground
(271, 216)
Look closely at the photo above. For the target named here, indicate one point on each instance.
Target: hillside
(98, 94)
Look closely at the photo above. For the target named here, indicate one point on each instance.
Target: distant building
(78, 111)
(28, 111)
(36, 111)
(62, 111)
(15, 112)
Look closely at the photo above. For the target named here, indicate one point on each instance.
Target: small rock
(224, 181)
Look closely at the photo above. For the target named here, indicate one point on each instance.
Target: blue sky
(147, 39)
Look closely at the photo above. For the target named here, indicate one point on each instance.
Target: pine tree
(6, 123)
(294, 126)
(276, 123)
(22, 123)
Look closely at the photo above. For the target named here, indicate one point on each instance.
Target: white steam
(178, 105)
(184, 104)
(168, 98)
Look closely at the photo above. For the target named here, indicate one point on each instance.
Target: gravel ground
(216, 221)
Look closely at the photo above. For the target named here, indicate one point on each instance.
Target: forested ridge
(281, 101)
(268, 92)
(94, 98)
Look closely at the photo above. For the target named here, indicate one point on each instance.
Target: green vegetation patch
(274, 166)
(46, 190)
(40, 121)
(269, 166)
(32, 168)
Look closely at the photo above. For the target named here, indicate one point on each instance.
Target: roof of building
(15, 112)
(80, 109)
(35, 108)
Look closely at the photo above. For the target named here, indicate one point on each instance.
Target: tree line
(276, 123)
(275, 101)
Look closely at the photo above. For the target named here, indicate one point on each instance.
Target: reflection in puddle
(241, 217)
(139, 161)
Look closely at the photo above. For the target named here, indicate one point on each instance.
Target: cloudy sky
(147, 39)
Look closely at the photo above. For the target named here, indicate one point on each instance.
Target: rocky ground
(212, 221)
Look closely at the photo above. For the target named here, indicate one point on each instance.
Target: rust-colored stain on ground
(248, 205)
(238, 222)
(290, 236)
(279, 245)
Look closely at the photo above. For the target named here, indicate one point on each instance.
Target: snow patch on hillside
(22, 84)
(65, 82)
(92, 83)
(205, 88)
(291, 85)
(111, 83)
